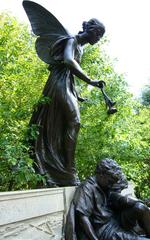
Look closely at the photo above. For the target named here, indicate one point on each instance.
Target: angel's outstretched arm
(73, 65)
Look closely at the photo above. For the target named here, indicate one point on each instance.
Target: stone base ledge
(36, 214)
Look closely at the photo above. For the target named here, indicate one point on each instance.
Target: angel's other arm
(73, 65)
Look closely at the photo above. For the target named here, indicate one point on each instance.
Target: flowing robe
(52, 120)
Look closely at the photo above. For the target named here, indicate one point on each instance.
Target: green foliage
(122, 136)
(22, 78)
(146, 95)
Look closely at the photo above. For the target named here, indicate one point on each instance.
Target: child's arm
(118, 201)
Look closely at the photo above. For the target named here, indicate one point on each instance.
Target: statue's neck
(82, 38)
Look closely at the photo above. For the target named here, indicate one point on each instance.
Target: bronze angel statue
(59, 120)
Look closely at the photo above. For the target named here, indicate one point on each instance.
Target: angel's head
(94, 30)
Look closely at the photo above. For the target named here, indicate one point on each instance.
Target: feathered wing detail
(46, 26)
(49, 48)
(42, 21)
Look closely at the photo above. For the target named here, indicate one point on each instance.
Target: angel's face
(94, 36)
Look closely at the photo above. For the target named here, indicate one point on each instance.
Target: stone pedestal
(34, 214)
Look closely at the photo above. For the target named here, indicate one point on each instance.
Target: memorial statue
(58, 119)
(100, 212)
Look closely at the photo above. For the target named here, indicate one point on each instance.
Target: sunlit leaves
(22, 78)
(122, 136)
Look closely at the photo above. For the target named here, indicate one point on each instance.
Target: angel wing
(45, 25)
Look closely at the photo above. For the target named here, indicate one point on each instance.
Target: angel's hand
(98, 83)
